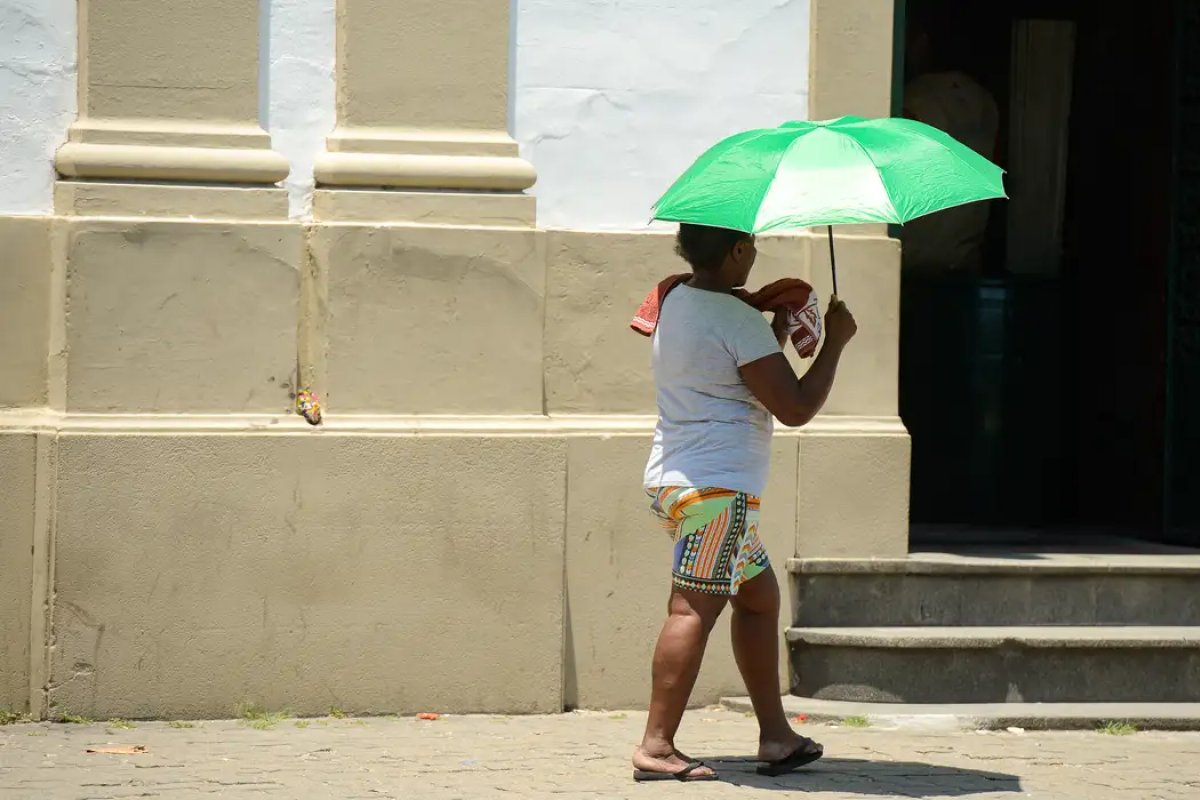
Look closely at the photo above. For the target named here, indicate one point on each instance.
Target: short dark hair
(705, 247)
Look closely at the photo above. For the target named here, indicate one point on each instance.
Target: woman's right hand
(795, 402)
(840, 326)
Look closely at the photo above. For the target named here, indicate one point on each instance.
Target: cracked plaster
(614, 100)
(37, 99)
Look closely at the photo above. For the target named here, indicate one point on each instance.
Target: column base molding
(472, 209)
(168, 200)
(424, 159)
(407, 171)
(170, 163)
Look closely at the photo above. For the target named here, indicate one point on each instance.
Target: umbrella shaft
(832, 261)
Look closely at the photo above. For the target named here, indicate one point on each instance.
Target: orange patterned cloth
(715, 531)
(792, 294)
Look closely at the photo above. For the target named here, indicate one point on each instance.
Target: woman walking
(720, 376)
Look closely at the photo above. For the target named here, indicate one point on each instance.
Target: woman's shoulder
(727, 303)
(711, 317)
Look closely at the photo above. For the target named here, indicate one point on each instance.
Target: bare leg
(677, 657)
(756, 649)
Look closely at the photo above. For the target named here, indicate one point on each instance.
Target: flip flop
(807, 753)
(684, 775)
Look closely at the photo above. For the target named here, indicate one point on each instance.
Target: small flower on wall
(308, 405)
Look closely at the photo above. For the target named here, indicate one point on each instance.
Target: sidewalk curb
(990, 716)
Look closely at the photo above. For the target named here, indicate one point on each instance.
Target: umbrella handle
(832, 261)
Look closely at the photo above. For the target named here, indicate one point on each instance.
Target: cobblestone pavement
(573, 755)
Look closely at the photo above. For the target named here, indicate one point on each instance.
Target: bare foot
(779, 749)
(668, 763)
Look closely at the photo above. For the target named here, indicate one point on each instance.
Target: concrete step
(988, 716)
(1011, 589)
(1064, 664)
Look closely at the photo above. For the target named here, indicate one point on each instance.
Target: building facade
(431, 214)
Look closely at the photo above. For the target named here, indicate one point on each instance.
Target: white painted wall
(611, 99)
(299, 92)
(37, 99)
(614, 98)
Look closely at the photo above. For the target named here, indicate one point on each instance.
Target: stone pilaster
(168, 94)
(860, 448)
(850, 58)
(422, 107)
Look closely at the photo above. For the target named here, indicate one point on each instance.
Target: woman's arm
(795, 401)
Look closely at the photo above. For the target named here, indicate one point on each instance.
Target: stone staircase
(985, 626)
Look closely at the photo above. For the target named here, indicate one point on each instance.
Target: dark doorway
(1034, 375)
(1183, 313)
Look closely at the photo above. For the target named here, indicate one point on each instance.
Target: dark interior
(1051, 406)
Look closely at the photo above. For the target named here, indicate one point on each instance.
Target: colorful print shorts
(715, 531)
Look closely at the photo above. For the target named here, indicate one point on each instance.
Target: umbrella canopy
(847, 170)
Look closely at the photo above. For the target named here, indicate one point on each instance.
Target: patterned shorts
(715, 531)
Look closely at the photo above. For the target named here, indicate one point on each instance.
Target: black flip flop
(684, 775)
(807, 753)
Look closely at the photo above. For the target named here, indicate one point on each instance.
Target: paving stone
(584, 755)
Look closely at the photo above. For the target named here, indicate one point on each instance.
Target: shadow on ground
(859, 776)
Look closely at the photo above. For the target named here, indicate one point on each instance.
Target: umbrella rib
(967, 164)
(743, 137)
(887, 194)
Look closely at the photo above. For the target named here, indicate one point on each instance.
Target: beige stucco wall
(850, 58)
(618, 574)
(595, 364)
(174, 317)
(432, 321)
(301, 572)
(467, 531)
(17, 502)
(852, 490)
(24, 309)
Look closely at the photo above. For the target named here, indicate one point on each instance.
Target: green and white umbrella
(844, 171)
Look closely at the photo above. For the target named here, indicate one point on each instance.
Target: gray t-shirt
(711, 432)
